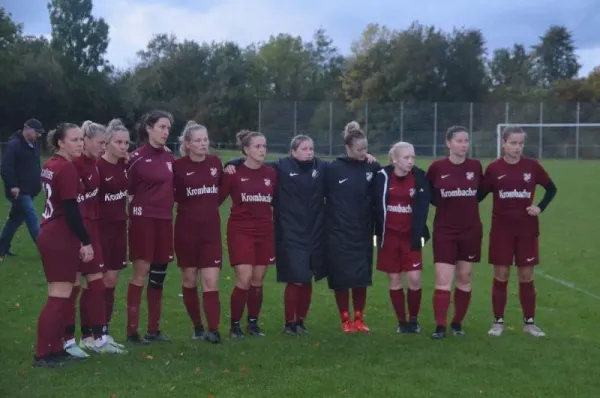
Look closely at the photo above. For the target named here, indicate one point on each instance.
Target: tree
(554, 57)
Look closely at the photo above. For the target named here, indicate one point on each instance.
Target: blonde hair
(352, 132)
(397, 147)
(244, 138)
(186, 135)
(91, 129)
(114, 126)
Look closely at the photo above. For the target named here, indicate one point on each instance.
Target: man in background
(21, 174)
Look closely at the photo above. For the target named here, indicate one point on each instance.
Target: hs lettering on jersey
(203, 190)
(458, 193)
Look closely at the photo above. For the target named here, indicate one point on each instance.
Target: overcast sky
(503, 22)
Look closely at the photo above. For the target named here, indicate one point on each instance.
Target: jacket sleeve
(423, 198)
(9, 167)
(378, 196)
(548, 195)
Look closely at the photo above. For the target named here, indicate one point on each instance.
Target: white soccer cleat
(496, 330)
(108, 348)
(112, 341)
(87, 344)
(533, 330)
(73, 350)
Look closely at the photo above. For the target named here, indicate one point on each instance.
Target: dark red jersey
(60, 181)
(513, 187)
(90, 177)
(455, 194)
(113, 190)
(197, 188)
(150, 172)
(401, 191)
(251, 192)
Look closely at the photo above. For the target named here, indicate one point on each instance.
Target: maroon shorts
(247, 249)
(113, 237)
(151, 239)
(198, 245)
(451, 248)
(59, 251)
(396, 255)
(508, 248)
(97, 264)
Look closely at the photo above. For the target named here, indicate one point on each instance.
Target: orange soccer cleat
(347, 324)
(359, 324)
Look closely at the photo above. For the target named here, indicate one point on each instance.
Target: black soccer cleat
(137, 339)
(253, 329)
(64, 356)
(413, 326)
(301, 329)
(440, 333)
(199, 333)
(49, 361)
(156, 337)
(290, 329)
(213, 337)
(457, 329)
(236, 330)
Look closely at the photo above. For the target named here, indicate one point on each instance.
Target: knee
(444, 274)
(110, 279)
(413, 280)
(501, 273)
(395, 282)
(526, 274)
(210, 285)
(189, 281)
(157, 275)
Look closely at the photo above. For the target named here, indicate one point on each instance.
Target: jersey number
(48, 209)
(137, 210)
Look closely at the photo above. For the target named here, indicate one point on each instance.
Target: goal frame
(501, 126)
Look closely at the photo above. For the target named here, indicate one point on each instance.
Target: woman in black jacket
(402, 195)
(349, 227)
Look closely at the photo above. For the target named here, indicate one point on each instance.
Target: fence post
(577, 119)
(541, 132)
(367, 118)
(471, 129)
(402, 121)
(295, 118)
(435, 112)
(260, 116)
(330, 128)
(506, 112)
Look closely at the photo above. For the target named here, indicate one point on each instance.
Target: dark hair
(298, 140)
(353, 132)
(58, 134)
(244, 138)
(149, 120)
(508, 130)
(452, 131)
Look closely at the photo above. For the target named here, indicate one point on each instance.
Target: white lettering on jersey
(87, 195)
(204, 190)
(258, 198)
(514, 194)
(47, 174)
(113, 197)
(399, 209)
(458, 193)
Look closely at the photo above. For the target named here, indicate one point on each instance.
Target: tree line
(68, 78)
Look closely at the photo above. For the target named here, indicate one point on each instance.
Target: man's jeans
(22, 210)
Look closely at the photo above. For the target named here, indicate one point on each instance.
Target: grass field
(329, 363)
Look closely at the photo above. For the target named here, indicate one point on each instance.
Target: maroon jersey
(455, 194)
(150, 172)
(60, 182)
(113, 190)
(197, 188)
(513, 187)
(90, 177)
(251, 192)
(401, 191)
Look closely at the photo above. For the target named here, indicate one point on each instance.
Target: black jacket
(420, 206)
(349, 216)
(21, 166)
(299, 219)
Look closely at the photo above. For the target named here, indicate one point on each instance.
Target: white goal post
(541, 126)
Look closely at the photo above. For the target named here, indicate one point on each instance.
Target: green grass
(329, 363)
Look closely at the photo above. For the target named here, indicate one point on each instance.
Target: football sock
(238, 303)
(462, 298)
(191, 300)
(255, 298)
(414, 302)
(441, 303)
(212, 309)
(527, 299)
(499, 298)
(397, 298)
(134, 299)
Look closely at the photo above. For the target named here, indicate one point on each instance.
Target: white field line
(567, 284)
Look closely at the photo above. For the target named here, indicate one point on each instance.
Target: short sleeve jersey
(113, 190)
(399, 212)
(454, 189)
(251, 192)
(60, 181)
(513, 187)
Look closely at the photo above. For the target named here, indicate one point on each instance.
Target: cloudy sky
(503, 22)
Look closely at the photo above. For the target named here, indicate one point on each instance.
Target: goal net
(557, 140)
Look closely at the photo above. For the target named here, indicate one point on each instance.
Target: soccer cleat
(213, 336)
(531, 328)
(359, 324)
(87, 343)
(413, 326)
(457, 329)
(74, 350)
(112, 341)
(253, 329)
(440, 333)
(64, 356)
(347, 324)
(236, 330)
(49, 361)
(301, 329)
(102, 346)
(497, 328)
(156, 337)
(290, 329)
(199, 333)
(137, 339)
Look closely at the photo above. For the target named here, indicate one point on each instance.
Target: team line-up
(313, 219)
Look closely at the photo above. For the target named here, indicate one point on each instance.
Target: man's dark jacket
(21, 166)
